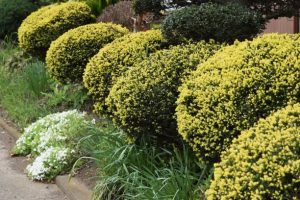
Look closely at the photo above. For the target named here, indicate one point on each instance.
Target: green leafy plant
(263, 163)
(12, 12)
(66, 96)
(144, 6)
(236, 87)
(223, 23)
(36, 77)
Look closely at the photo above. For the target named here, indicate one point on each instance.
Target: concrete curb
(73, 188)
(12, 131)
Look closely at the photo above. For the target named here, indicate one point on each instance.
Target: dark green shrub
(69, 54)
(142, 101)
(235, 88)
(263, 163)
(45, 25)
(223, 23)
(104, 69)
(12, 12)
(143, 6)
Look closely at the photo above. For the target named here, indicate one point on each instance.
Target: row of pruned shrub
(228, 93)
(205, 93)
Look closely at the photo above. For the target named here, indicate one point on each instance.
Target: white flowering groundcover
(52, 142)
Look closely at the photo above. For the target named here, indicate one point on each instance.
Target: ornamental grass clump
(235, 88)
(264, 162)
(104, 69)
(52, 142)
(69, 54)
(45, 25)
(142, 101)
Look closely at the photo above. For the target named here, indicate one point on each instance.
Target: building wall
(283, 25)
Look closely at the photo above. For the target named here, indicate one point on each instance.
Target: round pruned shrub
(12, 12)
(264, 162)
(115, 59)
(223, 23)
(142, 101)
(69, 54)
(235, 88)
(45, 25)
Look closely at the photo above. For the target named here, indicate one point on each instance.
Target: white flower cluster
(48, 130)
(51, 140)
(50, 163)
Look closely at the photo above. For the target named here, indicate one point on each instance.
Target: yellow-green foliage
(69, 54)
(142, 101)
(264, 162)
(114, 59)
(235, 88)
(45, 25)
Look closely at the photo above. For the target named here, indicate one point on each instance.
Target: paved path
(14, 185)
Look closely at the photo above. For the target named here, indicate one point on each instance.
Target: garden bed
(161, 113)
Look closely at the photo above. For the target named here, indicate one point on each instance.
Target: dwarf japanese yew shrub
(264, 162)
(235, 88)
(115, 59)
(69, 54)
(223, 23)
(142, 101)
(45, 25)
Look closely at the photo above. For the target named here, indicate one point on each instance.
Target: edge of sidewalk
(73, 188)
